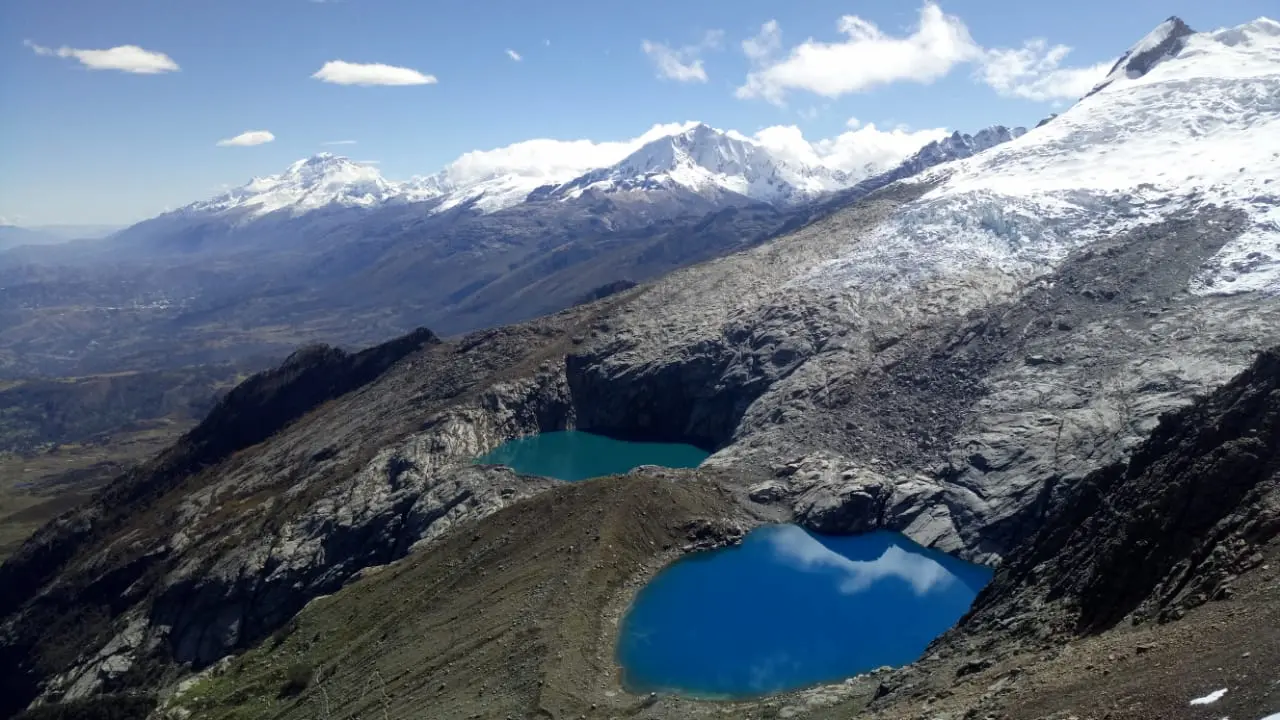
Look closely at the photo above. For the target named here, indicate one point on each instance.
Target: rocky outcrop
(1166, 40)
(1165, 532)
(265, 403)
(690, 355)
(832, 495)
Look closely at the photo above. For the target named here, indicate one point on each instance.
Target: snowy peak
(695, 157)
(308, 184)
(319, 167)
(1166, 41)
(710, 163)
(427, 187)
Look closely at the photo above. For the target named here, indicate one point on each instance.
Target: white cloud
(863, 150)
(795, 547)
(1034, 72)
(764, 44)
(340, 72)
(551, 158)
(367, 162)
(867, 59)
(853, 123)
(248, 139)
(339, 142)
(125, 58)
(682, 64)
(859, 151)
(514, 55)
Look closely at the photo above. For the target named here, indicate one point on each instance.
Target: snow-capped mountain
(1167, 40)
(1184, 120)
(710, 163)
(713, 164)
(319, 181)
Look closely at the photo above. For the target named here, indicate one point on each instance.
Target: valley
(63, 439)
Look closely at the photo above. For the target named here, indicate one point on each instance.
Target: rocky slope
(504, 619)
(1170, 530)
(1192, 518)
(1150, 583)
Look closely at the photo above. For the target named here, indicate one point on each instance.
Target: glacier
(1197, 126)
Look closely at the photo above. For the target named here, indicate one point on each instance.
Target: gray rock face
(406, 495)
(972, 398)
(830, 494)
(688, 357)
(1167, 40)
(1193, 509)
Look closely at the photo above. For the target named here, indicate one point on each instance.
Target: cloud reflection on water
(797, 548)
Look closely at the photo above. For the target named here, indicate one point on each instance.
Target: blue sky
(112, 145)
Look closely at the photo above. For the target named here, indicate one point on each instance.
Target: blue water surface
(575, 455)
(787, 609)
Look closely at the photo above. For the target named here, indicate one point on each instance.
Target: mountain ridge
(698, 158)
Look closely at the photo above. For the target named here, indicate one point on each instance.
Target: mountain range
(343, 253)
(719, 166)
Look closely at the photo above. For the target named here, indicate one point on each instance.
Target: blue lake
(787, 609)
(575, 455)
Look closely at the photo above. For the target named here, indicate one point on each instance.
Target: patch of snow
(1211, 698)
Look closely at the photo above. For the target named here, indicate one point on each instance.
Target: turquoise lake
(574, 455)
(788, 609)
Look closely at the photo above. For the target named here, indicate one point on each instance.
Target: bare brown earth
(500, 619)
